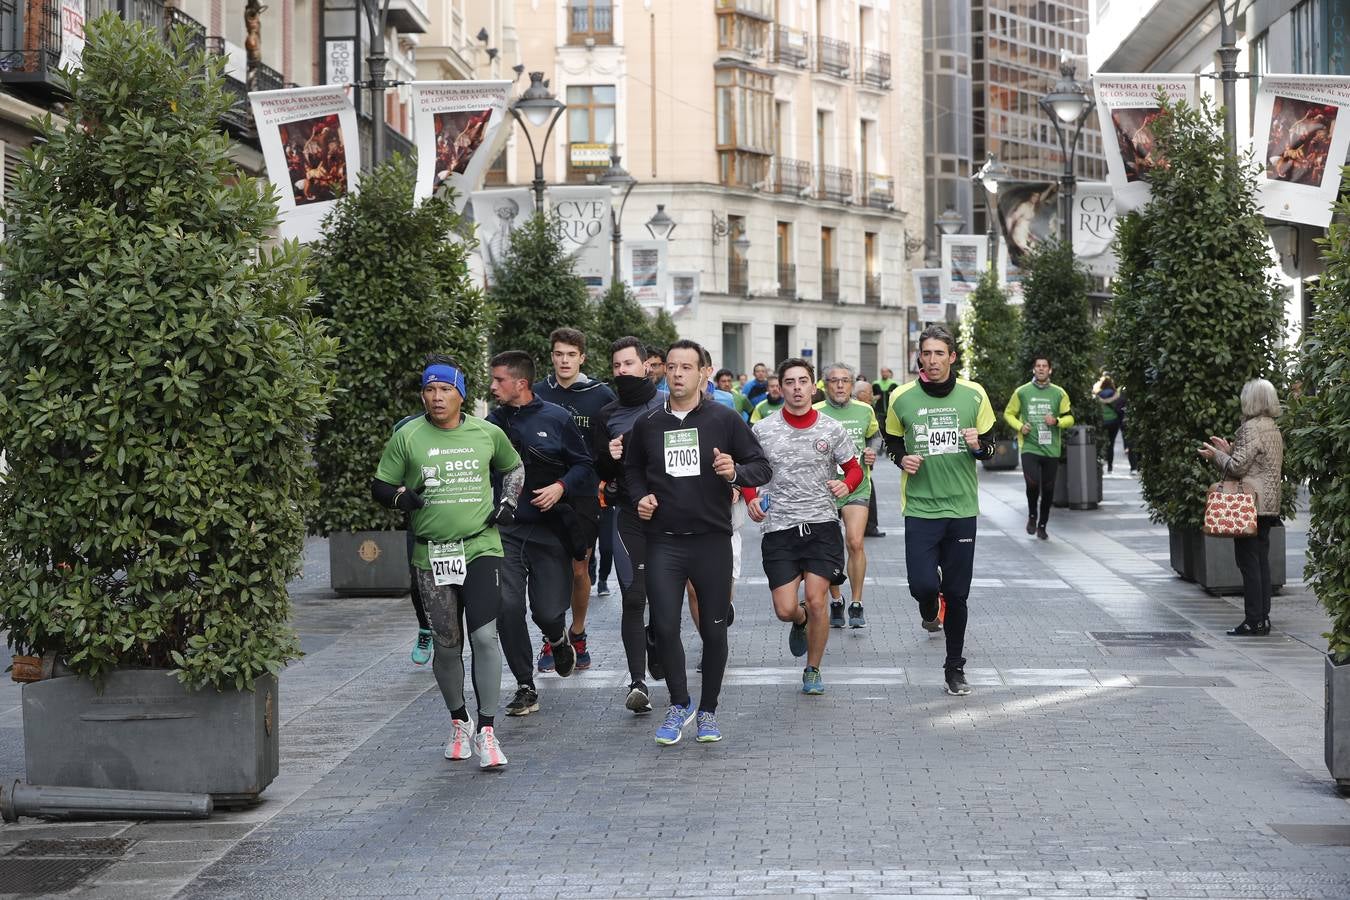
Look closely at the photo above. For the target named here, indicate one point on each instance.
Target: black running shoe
(856, 619)
(836, 613)
(638, 701)
(524, 702)
(957, 685)
(1040, 533)
(564, 656)
(1031, 524)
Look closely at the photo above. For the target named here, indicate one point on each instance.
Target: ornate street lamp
(989, 176)
(537, 107)
(660, 226)
(621, 184)
(377, 61)
(1068, 107)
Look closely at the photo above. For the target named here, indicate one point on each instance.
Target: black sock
(688, 701)
(702, 710)
(485, 721)
(460, 715)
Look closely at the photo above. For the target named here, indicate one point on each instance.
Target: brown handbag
(1230, 510)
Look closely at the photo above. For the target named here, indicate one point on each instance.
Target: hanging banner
(496, 215)
(582, 212)
(308, 139)
(457, 127)
(684, 293)
(1130, 104)
(1094, 226)
(1028, 212)
(964, 257)
(72, 34)
(644, 268)
(1301, 144)
(928, 289)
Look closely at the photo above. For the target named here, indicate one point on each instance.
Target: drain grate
(1180, 681)
(1315, 835)
(1146, 639)
(98, 848)
(46, 876)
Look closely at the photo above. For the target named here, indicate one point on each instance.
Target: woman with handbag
(1256, 458)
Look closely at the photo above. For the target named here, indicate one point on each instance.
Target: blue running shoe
(708, 732)
(811, 683)
(855, 616)
(797, 639)
(421, 651)
(673, 727)
(546, 659)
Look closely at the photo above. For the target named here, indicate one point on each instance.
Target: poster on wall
(309, 142)
(1300, 140)
(457, 127)
(644, 268)
(1127, 106)
(928, 289)
(583, 218)
(1028, 212)
(684, 293)
(72, 34)
(964, 258)
(496, 215)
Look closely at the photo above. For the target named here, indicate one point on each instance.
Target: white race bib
(447, 562)
(944, 440)
(682, 457)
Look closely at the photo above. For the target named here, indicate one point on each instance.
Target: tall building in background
(947, 96)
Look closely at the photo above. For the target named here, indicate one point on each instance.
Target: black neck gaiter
(633, 390)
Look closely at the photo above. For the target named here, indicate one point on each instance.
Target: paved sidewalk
(1117, 745)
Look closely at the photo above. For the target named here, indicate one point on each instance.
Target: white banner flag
(1301, 145)
(309, 141)
(72, 34)
(928, 288)
(644, 268)
(457, 126)
(1126, 108)
(1094, 226)
(496, 215)
(583, 213)
(964, 258)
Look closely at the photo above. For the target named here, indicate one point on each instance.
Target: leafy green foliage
(395, 283)
(535, 290)
(620, 315)
(1057, 322)
(1196, 312)
(1320, 430)
(995, 335)
(160, 372)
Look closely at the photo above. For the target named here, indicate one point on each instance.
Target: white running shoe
(490, 755)
(460, 745)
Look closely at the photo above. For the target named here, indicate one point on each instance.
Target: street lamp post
(616, 178)
(950, 222)
(537, 107)
(377, 18)
(1228, 57)
(1068, 106)
(989, 175)
(660, 226)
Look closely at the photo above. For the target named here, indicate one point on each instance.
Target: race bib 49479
(682, 456)
(944, 434)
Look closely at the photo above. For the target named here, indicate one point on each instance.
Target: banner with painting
(308, 139)
(496, 216)
(1301, 142)
(928, 290)
(583, 214)
(1028, 213)
(457, 127)
(964, 258)
(1127, 105)
(644, 268)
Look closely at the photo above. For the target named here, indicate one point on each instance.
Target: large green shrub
(1320, 431)
(619, 315)
(1197, 313)
(995, 335)
(1057, 322)
(536, 289)
(395, 283)
(159, 374)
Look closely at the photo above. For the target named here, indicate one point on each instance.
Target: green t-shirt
(1109, 413)
(742, 404)
(1030, 405)
(456, 466)
(764, 409)
(860, 423)
(946, 486)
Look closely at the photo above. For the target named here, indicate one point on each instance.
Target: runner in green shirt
(1039, 413)
(936, 428)
(770, 404)
(860, 422)
(726, 381)
(439, 469)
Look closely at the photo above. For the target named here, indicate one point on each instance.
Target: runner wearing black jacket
(678, 461)
(609, 427)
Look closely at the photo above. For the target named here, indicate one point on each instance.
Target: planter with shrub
(995, 341)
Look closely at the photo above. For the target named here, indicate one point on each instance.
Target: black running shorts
(817, 548)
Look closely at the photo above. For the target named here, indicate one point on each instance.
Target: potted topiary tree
(1319, 438)
(995, 337)
(394, 281)
(1057, 322)
(161, 374)
(1196, 315)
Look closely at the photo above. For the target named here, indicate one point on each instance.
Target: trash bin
(1081, 478)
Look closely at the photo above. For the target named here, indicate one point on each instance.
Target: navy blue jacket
(583, 399)
(552, 449)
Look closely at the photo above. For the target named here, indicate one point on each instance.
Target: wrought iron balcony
(833, 57)
(880, 190)
(176, 18)
(30, 56)
(874, 68)
(787, 281)
(265, 78)
(791, 48)
(791, 176)
(829, 285)
(872, 290)
(834, 183)
(738, 277)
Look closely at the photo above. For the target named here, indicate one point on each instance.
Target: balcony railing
(265, 78)
(394, 141)
(874, 68)
(833, 57)
(872, 290)
(787, 281)
(791, 176)
(32, 54)
(174, 17)
(879, 190)
(239, 118)
(829, 285)
(791, 48)
(149, 13)
(738, 277)
(834, 183)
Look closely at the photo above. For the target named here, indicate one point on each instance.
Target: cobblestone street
(1117, 744)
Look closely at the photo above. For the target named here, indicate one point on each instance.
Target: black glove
(504, 514)
(410, 500)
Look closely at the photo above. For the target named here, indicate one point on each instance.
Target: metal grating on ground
(46, 876)
(1180, 681)
(1147, 639)
(98, 848)
(1315, 835)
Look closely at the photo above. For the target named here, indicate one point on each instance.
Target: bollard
(19, 799)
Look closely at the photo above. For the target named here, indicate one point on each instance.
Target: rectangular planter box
(1217, 572)
(143, 731)
(1338, 723)
(1181, 552)
(369, 563)
(1004, 458)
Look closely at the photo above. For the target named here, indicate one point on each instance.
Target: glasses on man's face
(839, 380)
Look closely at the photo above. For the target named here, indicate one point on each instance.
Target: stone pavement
(1117, 745)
